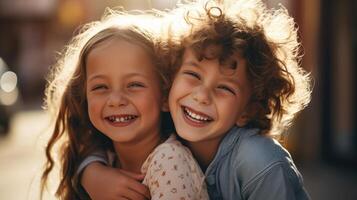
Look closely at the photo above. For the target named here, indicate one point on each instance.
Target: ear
(242, 120)
(165, 106)
(247, 115)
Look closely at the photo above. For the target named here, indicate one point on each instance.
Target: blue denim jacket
(250, 166)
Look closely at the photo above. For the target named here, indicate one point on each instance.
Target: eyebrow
(101, 76)
(235, 82)
(191, 63)
(228, 79)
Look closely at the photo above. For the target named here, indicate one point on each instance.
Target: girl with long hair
(108, 91)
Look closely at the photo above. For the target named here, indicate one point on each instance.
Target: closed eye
(192, 74)
(99, 87)
(227, 89)
(136, 85)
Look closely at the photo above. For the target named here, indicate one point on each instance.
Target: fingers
(133, 195)
(136, 187)
(139, 188)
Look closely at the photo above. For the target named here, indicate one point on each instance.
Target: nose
(116, 99)
(202, 95)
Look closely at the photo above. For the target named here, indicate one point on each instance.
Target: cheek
(228, 108)
(179, 87)
(92, 113)
(173, 95)
(148, 102)
(93, 106)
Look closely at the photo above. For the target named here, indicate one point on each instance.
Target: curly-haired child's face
(123, 92)
(204, 102)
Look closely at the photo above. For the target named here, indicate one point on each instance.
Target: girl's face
(123, 92)
(204, 102)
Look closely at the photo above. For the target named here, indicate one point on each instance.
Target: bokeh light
(8, 81)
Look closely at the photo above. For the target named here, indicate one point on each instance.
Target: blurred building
(328, 126)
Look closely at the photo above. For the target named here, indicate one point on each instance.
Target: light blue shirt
(251, 166)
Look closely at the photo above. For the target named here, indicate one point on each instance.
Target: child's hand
(102, 183)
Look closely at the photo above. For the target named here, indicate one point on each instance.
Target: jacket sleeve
(99, 156)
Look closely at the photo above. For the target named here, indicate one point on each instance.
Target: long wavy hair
(66, 97)
(267, 39)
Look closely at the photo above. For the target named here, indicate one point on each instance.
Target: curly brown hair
(66, 96)
(267, 39)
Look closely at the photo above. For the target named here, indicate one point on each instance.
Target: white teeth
(121, 119)
(196, 116)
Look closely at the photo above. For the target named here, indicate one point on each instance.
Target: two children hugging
(236, 82)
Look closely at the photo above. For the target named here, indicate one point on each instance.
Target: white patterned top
(173, 173)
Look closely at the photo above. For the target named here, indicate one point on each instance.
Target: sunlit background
(323, 142)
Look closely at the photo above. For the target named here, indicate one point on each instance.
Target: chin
(189, 137)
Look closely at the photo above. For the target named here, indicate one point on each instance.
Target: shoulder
(172, 147)
(254, 155)
(172, 165)
(168, 154)
(260, 149)
(260, 164)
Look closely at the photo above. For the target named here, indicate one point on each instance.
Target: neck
(204, 151)
(132, 155)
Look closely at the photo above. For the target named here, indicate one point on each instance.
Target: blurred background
(323, 141)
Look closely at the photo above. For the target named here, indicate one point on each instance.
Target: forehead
(119, 56)
(228, 65)
(119, 48)
(238, 75)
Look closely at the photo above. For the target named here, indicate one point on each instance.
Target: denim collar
(228, 143)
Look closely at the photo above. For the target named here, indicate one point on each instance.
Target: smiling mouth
(195, 118)
(121, 120)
